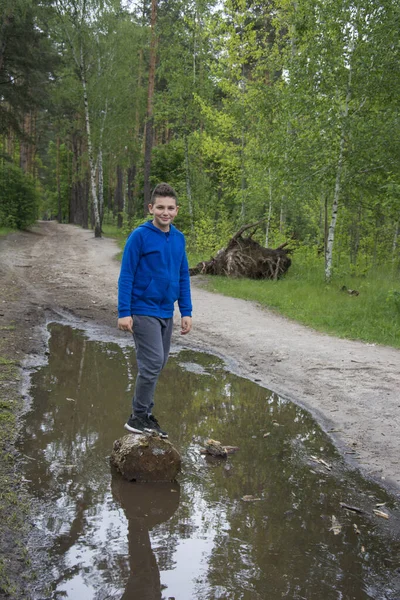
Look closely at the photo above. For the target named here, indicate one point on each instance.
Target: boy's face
(164, 211)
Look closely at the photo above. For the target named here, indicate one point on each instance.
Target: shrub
(210, 234)
(19, 198)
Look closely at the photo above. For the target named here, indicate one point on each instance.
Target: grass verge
(119, 235)
(15, 570)
(5, 230)
(372, 316)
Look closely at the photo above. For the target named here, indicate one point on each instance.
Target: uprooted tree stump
(145, 457)
(244, 257)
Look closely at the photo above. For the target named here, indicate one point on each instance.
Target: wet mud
(267, 522)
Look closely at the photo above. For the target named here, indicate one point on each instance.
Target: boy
(154, 274)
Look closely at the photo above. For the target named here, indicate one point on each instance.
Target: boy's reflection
(145, 505)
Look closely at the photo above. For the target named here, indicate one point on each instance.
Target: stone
(215, 448)
(145, 457)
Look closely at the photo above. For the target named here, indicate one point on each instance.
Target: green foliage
(128, 224)
(56, 167)
(27, 60)
(19, 197)
(393, 298)
(307, 263)
(168, 163)
(252, 106)
(210, 234)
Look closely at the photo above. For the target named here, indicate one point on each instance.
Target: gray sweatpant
(152, 340)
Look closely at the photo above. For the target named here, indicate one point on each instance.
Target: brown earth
(352, 388)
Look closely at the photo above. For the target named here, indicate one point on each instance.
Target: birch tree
(348, 57)
(79, 21)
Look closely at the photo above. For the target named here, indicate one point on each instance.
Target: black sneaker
(155, 426)
(137, 424)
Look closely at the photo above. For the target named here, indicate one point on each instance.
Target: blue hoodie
(154, 274)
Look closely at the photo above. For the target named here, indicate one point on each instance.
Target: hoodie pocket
(172, 293)
(152, 291)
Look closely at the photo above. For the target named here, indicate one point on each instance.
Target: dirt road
(350, 387)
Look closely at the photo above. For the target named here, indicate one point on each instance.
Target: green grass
(119, 235)
(302, 295)
(5, 230)
(6, 361)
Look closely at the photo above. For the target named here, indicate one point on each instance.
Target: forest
(281, 110)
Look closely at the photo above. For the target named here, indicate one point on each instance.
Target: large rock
(145, 457)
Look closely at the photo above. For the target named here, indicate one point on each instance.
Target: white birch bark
(269, 212)
(100, 179)
(338, 181)
(79, 61)
(100, 166)
(92, 166)
(195, 46)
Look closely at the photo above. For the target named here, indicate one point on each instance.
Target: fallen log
(244, 257)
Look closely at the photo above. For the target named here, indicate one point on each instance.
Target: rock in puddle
(145, 457)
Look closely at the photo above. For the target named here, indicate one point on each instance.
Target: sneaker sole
(133, 430)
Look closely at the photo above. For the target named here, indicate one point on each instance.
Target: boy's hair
(163, 190)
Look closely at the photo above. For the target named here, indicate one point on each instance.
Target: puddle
(103, 538)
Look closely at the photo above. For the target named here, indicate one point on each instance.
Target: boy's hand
(186, 325)
(125, 324)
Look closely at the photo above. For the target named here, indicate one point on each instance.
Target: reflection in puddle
(106, 538)
(145, 506)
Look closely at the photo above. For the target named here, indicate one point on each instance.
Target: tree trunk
(100, 168)
(282, 214)
(149, 116)
(32, 145)
(3, 43)
(336, 195)
(133, 182)
(188, 186)
(59, 212)
(78, 206)
(335, 207)
(119, 197)
(101, 184)
(269, 212)
(131, 176)
(95, 204)
(73, 199)
(25, 147)
(326, 226)
(85, 193)
(69, 179)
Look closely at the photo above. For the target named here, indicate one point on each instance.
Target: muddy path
(351, 388)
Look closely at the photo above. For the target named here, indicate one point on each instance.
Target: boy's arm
(186, 325)
(125, 324)
(130, 260)
(184, 300)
